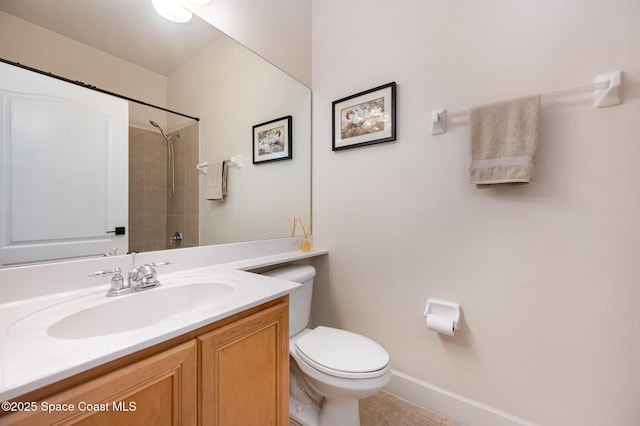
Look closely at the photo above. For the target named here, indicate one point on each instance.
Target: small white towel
(504, 137)
(215, 185)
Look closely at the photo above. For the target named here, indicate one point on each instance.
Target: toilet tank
(300, 298)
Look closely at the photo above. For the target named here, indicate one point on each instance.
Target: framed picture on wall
(272, 140)
(365, 118)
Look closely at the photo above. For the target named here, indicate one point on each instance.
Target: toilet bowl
(331, 369)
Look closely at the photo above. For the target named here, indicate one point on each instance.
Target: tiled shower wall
(153, 216)
(182, 210)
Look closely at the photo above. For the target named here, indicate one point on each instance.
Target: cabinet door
(159, 390)
(244, 378)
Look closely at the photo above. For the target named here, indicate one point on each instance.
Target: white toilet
(331, 369)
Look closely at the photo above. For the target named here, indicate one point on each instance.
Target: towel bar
(236, 161)
(610, 82)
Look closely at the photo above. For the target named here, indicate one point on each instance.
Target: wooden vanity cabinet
(244, 371)
(158, 390)
(232, 372)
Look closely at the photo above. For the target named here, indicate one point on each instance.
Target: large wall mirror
(125, 47)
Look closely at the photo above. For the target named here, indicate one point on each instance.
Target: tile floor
(385, 409)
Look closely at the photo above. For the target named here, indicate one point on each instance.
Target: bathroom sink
(95, 315)
(139, 310)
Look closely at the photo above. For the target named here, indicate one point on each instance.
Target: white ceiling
(129, 29)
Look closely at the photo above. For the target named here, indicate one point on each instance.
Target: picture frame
(365, 118)
(272, 140)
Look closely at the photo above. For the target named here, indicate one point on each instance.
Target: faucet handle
(114, 252)
(117, 281)
(166, 262)
(104, 272)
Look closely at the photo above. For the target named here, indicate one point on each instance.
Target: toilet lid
(342, 353)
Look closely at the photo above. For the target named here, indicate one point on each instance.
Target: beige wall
(279, 30)
(547, 274)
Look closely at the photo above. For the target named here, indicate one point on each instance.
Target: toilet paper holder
(446, 310)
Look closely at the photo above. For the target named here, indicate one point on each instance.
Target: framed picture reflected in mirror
(272, 140)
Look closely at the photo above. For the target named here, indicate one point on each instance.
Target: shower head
(154, 124)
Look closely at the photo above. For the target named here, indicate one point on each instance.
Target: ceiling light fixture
(172, 10)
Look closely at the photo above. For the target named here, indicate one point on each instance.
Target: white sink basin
(97, 315)
(139, 310)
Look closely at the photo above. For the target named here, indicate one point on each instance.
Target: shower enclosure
(163, 187)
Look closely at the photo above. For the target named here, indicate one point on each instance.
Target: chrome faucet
(144, 276)
(140, 278)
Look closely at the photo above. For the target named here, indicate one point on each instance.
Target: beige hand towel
(215, 185)
(504, 137)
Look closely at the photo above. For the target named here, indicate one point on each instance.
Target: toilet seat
(343, 354)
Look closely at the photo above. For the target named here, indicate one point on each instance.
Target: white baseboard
(449, 404)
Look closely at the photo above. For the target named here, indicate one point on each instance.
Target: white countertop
(30, 358)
